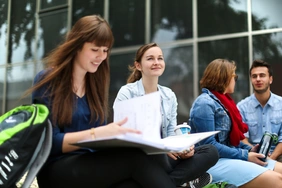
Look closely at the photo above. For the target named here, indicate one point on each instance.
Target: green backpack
(25, 143)
(220, 185)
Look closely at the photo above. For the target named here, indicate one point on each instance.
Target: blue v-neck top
(80, 119)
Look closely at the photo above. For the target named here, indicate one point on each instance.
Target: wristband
(92, 133)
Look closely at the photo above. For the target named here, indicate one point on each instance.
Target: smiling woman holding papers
(75, 87)
(148, 66)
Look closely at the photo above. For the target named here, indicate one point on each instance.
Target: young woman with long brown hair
(75, 88)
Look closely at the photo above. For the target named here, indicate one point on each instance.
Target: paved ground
(33, 185)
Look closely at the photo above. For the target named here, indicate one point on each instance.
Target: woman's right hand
(113, 129)
(255, 158)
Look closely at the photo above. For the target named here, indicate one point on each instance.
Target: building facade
(191, 33)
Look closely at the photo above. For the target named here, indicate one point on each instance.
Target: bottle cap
(275, 138)
(182, 129)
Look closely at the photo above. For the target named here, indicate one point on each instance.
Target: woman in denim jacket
(148, 66)
(215, 110)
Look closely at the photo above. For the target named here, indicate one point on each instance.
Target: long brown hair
(218, 75)
(135, 73)
(60, 65)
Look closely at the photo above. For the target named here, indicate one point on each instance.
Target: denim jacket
(261, 119)
(209, 114)
(168, 104)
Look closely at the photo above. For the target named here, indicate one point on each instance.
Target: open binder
(169, 144)
(143, 114)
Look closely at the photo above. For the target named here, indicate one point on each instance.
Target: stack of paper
(144, 114)
(169, 144)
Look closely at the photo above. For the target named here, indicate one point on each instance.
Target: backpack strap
(41, 157)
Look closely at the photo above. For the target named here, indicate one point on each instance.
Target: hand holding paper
(144, 116)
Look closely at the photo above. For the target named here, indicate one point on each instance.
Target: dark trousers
(184, 170)
(110, 168)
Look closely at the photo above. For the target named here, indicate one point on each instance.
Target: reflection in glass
(119, 73)
(119, 66)
(127, 22)
(221, 17)
(266, 14)
(3, 29)
(51, 33)
(39, 66)
(268, 47)
(1, 89)
(19, 79)
(22, 31)
(232, 49)
(178, 76)
(86, 7)
(171, 21)
(52, 3)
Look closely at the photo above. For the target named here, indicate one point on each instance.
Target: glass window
(51, 33)
(171, 21)
(119, 73)
(2, 81)
(3, 29)
(127, 20)
(84, 8)
(52, 3)
(266, 14)
(232, 49)
(221, 17)
(19, 79)
(22, 31)
(39, 66)
(178, 76)
(119, 66)
(268, 47)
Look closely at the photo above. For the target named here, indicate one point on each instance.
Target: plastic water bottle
(182, 129)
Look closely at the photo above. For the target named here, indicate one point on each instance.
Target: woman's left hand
(187, 153)
(183, 155)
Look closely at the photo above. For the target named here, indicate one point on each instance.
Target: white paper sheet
(144, 114)
(169, 144)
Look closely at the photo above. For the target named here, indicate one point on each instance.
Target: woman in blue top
(75, 88)
(215, 110)
(148, 67)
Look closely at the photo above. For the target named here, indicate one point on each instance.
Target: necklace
(79, 90)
